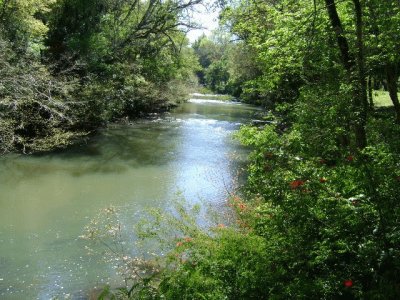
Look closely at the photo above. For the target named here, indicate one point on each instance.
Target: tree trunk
(356, 77)
(341, 39)
(361, 99)
(370, 93)
(391, 77)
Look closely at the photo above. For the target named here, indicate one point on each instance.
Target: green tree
(23, 23)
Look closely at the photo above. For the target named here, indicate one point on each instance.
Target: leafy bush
(231, 265)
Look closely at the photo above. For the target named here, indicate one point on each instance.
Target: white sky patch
(207, 18)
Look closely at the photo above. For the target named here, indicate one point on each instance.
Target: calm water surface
(45, 201)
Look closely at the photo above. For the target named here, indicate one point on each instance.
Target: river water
(46, 200)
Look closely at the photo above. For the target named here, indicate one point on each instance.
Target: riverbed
(46, 200)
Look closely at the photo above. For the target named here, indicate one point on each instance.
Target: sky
(207, 18)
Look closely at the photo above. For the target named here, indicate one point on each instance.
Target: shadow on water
(113, 150)
(139, 143)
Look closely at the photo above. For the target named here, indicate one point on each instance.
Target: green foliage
(226, 65)
(294, 46)
(231, 265)
(322, 117)
(213, 73)
(217, 77)
(72, 25)
(380, 32)
(271, 32)
(23, 23)
(127, 54)
(148, 85)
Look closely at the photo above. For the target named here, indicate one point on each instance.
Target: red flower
(178, 244)
(350, 158)
(348, 283)
(188, 239)
(296, 183)
(221, 226)
(323, 180)
(242, 206)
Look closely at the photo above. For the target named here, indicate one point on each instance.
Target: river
(46, 200)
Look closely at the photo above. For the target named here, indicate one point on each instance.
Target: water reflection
(46, 200)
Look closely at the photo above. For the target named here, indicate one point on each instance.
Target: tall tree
(356, 77)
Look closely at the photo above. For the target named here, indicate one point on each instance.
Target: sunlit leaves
(23, 22)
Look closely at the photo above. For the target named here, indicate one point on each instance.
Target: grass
(382, 99)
